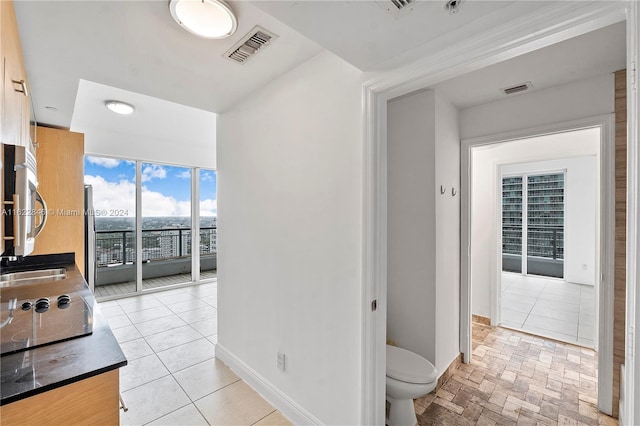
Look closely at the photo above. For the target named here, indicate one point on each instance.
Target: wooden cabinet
(92, 401)
(14, 98)
(61, 184)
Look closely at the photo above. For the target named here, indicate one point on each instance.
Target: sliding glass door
(545, 225)
(512, 224)
(166, 225)
(536, 200)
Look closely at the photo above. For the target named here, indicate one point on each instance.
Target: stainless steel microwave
(24, 212)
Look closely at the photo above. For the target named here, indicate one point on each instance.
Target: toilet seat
(409, 367)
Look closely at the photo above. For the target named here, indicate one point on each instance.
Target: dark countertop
(28, 373)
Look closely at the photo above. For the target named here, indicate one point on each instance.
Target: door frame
(605, 266)
(550, 25)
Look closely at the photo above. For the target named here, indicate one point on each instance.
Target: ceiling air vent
(517, 88)
(250, 44)
(401, 4)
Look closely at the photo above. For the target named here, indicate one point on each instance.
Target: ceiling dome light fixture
(453, 6)
(119, 107)
(204, 18)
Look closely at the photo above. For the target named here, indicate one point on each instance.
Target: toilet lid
(409, 367)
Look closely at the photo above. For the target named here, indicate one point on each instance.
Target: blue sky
(164, 181)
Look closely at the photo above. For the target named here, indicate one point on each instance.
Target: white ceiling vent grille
(401, 4)
(250, 44)
(517, 88)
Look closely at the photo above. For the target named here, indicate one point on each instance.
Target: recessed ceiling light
(204, 18)
(119, 107)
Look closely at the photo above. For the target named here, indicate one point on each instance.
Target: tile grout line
(155, 353)
(165, 415)
(218, 390)
(538, 299)
(259, 420)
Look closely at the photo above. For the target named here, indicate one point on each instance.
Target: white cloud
(209, 207)
(109, 196)
(184, 175)
(206, 176)
(153, 171)
(121, 197)
(109, 163)
(155, 204)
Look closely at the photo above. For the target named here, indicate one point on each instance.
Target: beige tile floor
(549, 307)
(173, 377)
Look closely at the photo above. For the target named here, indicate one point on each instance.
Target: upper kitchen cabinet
(15, 101)
(61, 184)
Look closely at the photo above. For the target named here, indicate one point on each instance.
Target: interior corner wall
(486, 161)
(411, 223)
(290, 179)
(423, 226)
(447, 165)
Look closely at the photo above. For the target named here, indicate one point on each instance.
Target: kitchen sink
(30, 277)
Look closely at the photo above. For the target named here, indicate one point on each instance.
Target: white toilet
(409, 376)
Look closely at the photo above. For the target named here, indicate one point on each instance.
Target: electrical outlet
(281, 357)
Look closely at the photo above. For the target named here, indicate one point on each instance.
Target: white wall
(290, 236)
(423, 231)
(579, 99)
(581, 188)
(485, 199)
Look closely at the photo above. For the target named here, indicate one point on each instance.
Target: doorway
(546, 229)
(428, 72)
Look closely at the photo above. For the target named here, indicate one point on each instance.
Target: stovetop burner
(46, 319)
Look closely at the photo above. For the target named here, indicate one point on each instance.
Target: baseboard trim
(449, 371)
(288, 407)
(481, 320)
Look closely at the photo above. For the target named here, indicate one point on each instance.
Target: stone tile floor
(173, 377)
(549, 307)
(517, 379)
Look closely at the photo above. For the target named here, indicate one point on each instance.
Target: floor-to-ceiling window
(166, 225)
(208, 223)
(160, 236)
(112, 253)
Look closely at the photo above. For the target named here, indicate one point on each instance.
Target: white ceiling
(365, 34)
(137, 46)
(592, 54)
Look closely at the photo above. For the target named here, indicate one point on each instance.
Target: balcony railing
(543, 241)
(115, 247)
